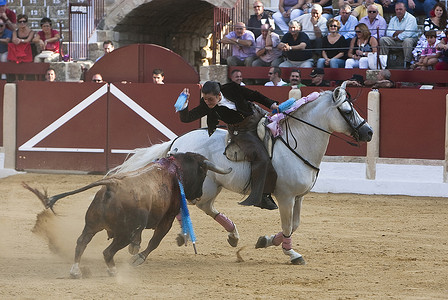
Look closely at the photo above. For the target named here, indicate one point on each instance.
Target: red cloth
(20, 53)
(54, 46)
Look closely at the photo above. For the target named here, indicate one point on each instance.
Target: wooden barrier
(33, 71)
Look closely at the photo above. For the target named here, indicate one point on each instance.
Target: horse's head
(357, 126)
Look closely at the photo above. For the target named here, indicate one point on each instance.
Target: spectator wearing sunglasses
(376, 23)
(334, 44)
(260, 17)
(20, 49)
(361, 11)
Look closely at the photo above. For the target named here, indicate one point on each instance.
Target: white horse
(296, 158)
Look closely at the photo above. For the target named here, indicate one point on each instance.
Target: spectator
(243, 46)
(334, 47)
(108, 47)
(422, 7)
(20, 49)
(48, 42)
(430, 54)
(438, 22)
(275, 77)
(8, 16)
(348, 22)
(401, 33)
(259, 18)
(5, 38)
(50, 75)
(315, 26)
(360, 47)
(294, 45)
(97, 78)
(295, 80)
(389, 5)
(356, 80)
(327, 8)
(266, 48)
(352, 3)
(237, 77)
(287, 10)
(317, 77)
(361, 11)
(376, 23)
(382, 80)
(443, 47)
(158, 76)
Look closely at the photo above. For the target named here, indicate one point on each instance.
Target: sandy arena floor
(355, 246)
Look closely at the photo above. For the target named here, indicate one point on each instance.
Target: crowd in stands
(309, 33)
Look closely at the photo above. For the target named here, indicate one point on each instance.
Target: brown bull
(130, 202)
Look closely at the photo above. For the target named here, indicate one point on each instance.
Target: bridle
(347, 116)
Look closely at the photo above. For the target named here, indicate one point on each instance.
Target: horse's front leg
(290, 217)
(207, 206)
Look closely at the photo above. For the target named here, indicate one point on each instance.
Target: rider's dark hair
(211, 87)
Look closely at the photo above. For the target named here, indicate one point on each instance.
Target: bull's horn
(212, 167)
(172, 152)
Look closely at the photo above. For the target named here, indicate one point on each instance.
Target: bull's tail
(48, 202)
(142, 157)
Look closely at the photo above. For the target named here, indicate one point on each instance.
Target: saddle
(234, 152)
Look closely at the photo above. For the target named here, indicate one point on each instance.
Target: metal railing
(224, 19)
(83, 19)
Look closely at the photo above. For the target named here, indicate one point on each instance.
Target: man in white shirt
(315, 26)
(402, 32)
(275, 74)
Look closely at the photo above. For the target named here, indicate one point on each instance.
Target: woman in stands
(438, 22)
(47, 41)
(360, 47)
(20, 48)
(334, 45)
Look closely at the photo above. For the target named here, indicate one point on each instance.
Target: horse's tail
(142, 157)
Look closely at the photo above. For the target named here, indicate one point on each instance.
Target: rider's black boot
(267, 202)
(258, 177)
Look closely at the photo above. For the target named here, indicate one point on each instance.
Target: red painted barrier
(412, 123)
(86, 126)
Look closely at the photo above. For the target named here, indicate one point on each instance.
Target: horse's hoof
(262, 242)
(137, 260)
(180, 240)
(298, 261)
(233, 241)
(133, 248)
(112, 271)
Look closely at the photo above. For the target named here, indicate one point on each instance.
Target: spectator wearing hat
(295, 45)
(317, 77)
(8, 16)
(355, 80)
(266, 48)
(243, 46)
